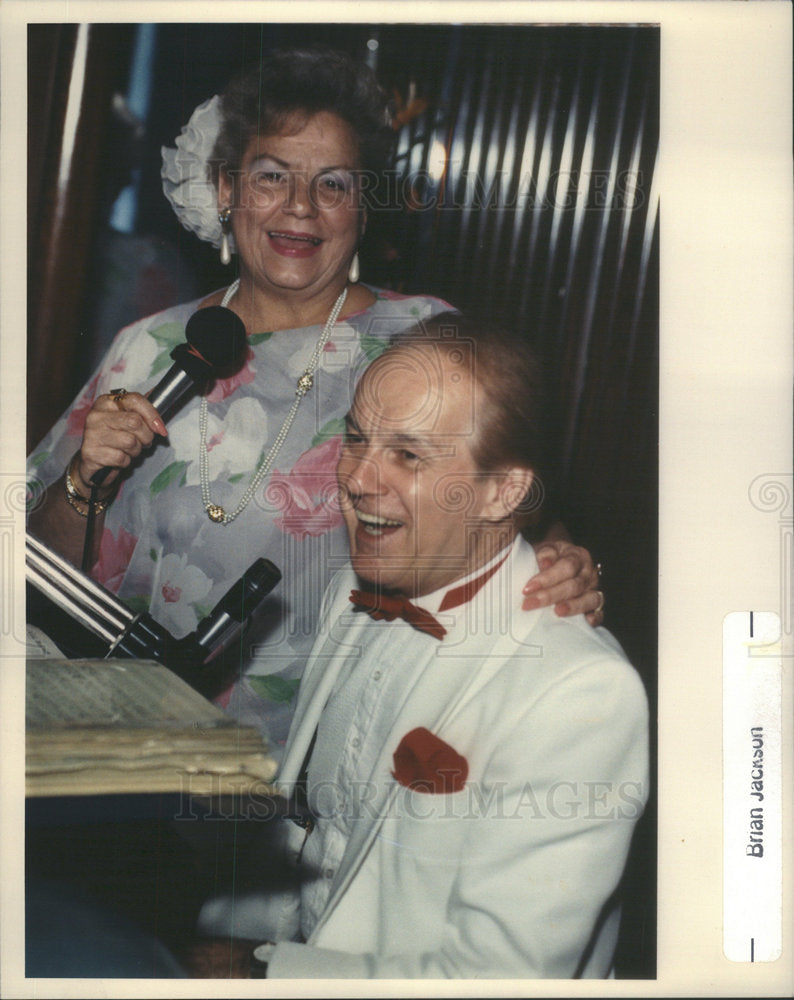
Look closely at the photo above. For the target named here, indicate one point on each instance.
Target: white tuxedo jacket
(514, 874)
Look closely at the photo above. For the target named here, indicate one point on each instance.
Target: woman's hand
(117, 429)
(568, 579)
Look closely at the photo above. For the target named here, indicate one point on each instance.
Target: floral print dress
(161, 553)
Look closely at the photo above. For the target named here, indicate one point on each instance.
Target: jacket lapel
(330, 653)
(446, 680)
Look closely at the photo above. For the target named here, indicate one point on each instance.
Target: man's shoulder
(576, 639)
(572, 636)
(570, 655)
(549, 649)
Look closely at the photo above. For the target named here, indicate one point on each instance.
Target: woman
(272, 171)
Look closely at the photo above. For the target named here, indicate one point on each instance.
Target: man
(474, 770)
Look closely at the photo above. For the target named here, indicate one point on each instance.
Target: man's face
(412, 497)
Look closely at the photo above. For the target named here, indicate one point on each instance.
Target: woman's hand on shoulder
(116, 432)
(568, 579)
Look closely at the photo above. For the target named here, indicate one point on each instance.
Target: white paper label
(752, 787)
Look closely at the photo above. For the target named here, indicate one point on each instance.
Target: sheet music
(40, 645)
(111, 726)
(131, 693)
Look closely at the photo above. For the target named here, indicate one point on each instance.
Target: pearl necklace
(214, 511)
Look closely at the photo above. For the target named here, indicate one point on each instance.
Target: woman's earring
(225, 219)
(353, 272)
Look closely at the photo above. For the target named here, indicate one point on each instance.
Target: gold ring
(117, 396)
(600, 602)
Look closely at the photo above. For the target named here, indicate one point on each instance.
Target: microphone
(215, 340)
(232, 612)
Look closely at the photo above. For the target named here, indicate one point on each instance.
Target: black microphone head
(217, 334)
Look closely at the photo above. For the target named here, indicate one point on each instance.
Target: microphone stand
(81, 597)
(139, 636)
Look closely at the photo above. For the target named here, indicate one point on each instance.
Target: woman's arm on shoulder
(568, 578)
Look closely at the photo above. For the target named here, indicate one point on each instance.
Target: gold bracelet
(99, 505)
(74, 503)
(74, 497)
(71, 490)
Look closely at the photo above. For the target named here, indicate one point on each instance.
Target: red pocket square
(424, 763)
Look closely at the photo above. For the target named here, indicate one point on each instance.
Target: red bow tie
(389, 607)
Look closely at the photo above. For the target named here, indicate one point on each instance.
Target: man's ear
(510, 487)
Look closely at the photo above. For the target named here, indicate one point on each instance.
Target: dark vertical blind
(71, 72)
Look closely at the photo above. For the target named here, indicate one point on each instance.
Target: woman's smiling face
(296, 212)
